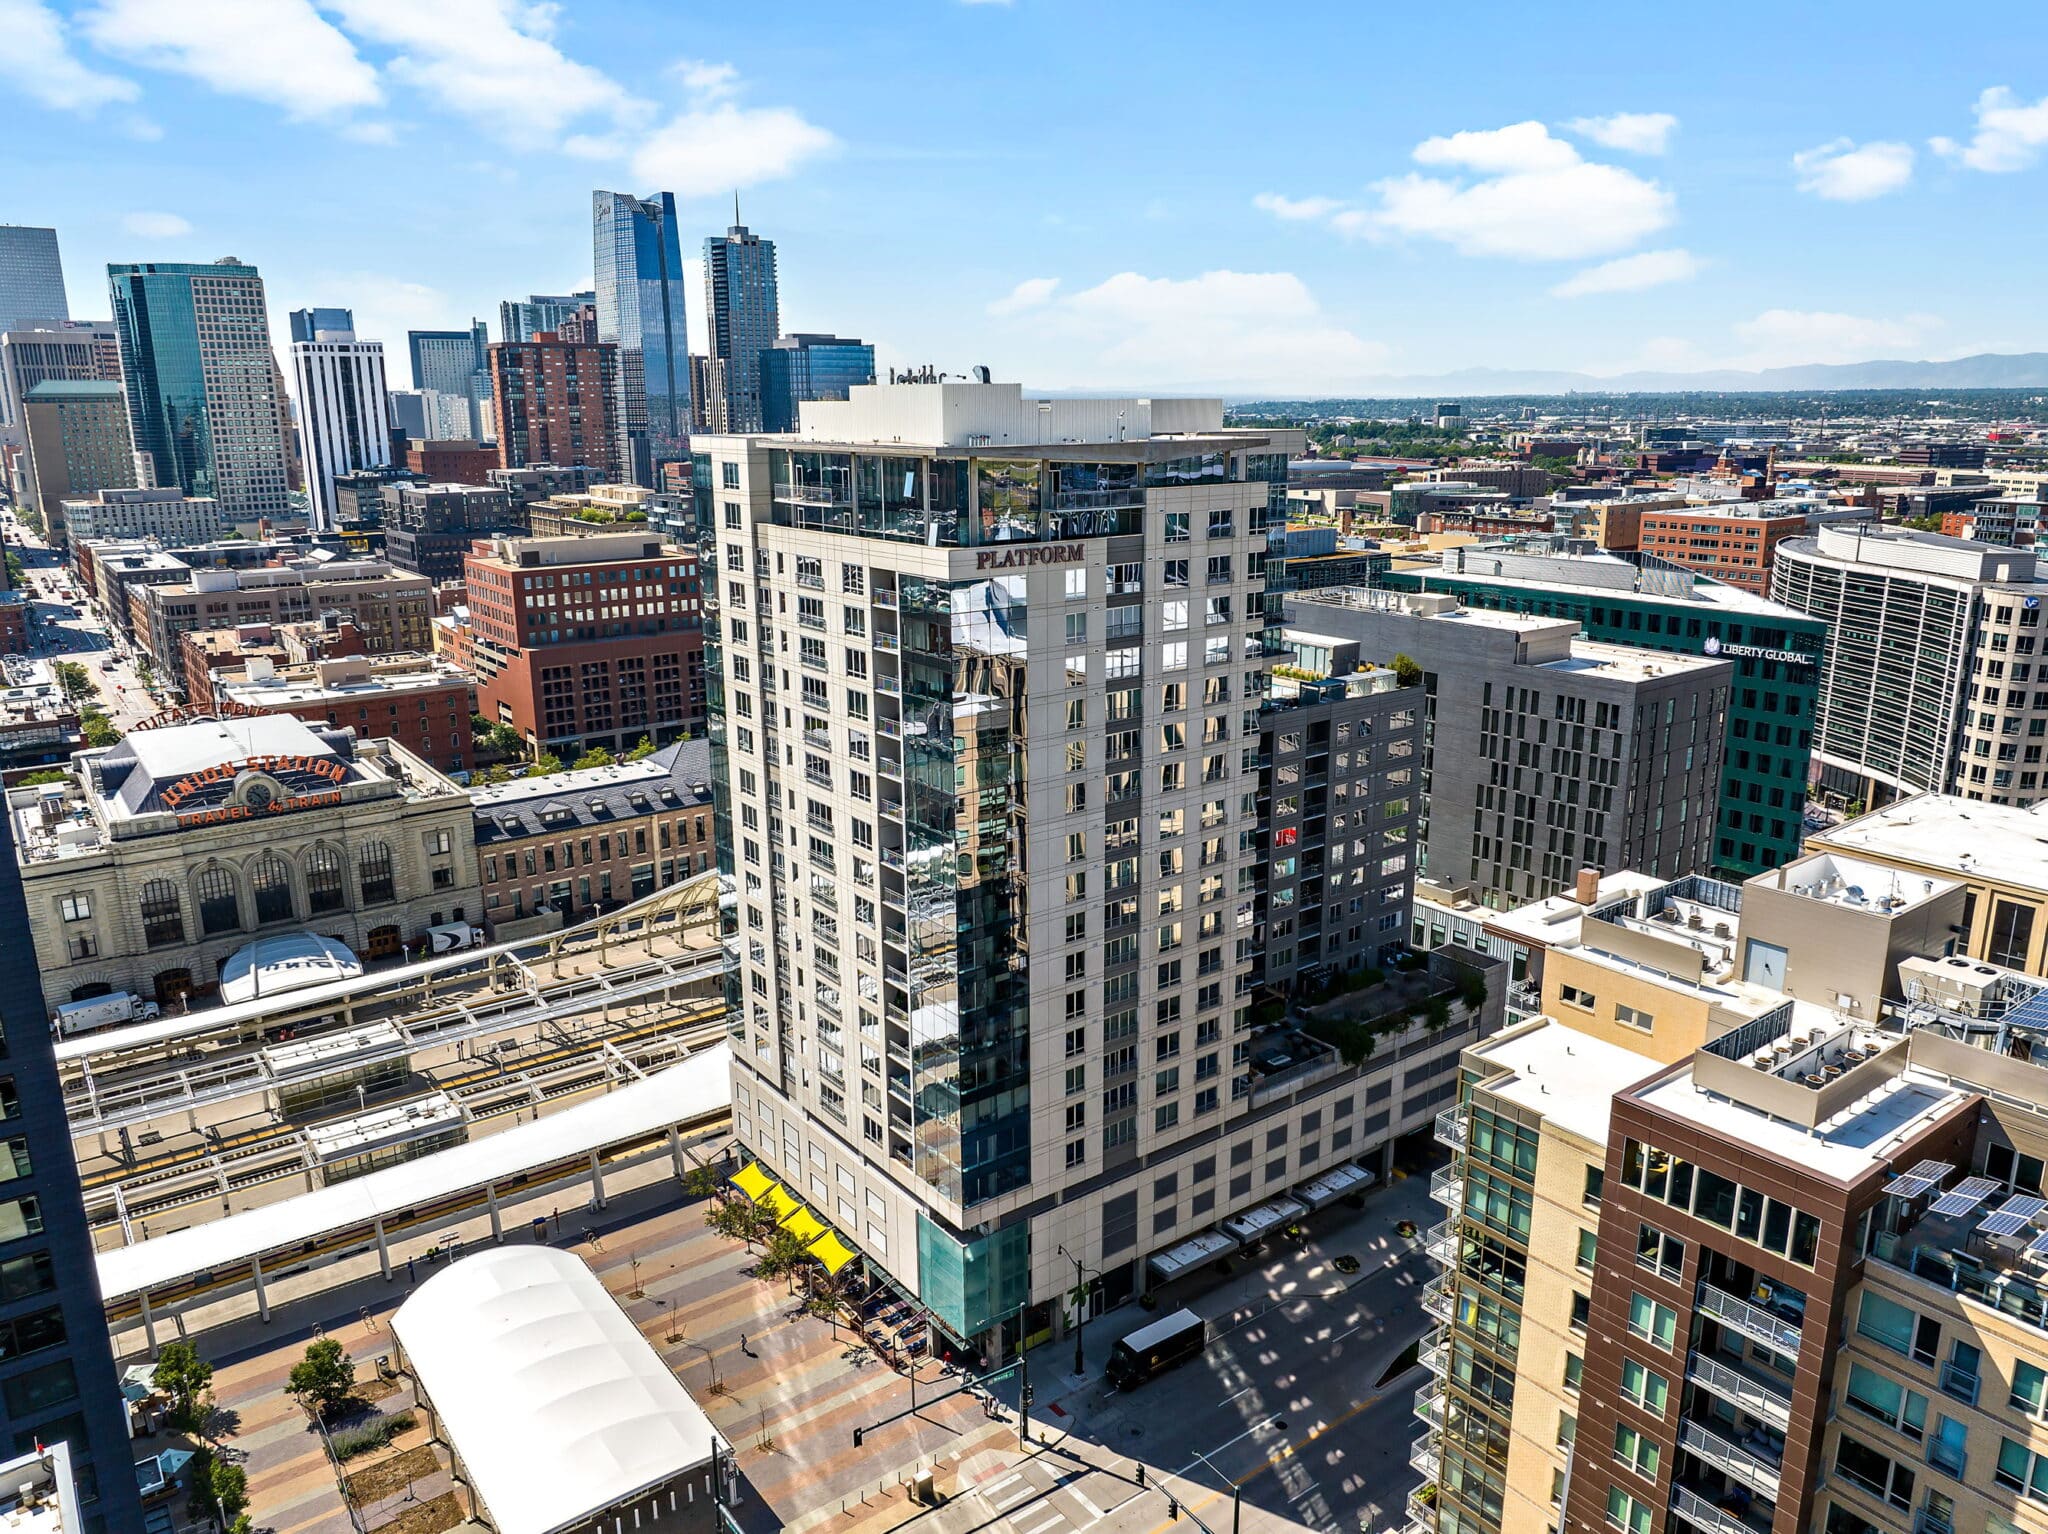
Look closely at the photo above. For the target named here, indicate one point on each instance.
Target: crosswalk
(1048, 1498)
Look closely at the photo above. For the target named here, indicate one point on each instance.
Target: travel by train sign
(255, 786)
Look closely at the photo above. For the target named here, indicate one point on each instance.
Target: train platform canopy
(559, 1409)
(697, 1086)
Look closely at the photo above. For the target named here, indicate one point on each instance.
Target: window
(76, 907)
(323, 881)
(1877, 1474)
(1644, 1387)
(1596, 1180)
(1626, 1512)
(1640, 1454)
(1651, 1321)
(271, 885)
(1875, 1395)
(1589, 1244)
(1572, 996)
(2023, 1471)
(218, 909)
(163, 922)
(1574, 1371)
(1633, 1017)
(373, 865)
(1661, 1254)
(2029, 1388)
(1582, 1311)
(437, 842)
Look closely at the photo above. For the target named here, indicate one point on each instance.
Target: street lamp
(1080, 1307)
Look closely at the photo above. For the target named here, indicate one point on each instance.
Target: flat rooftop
(1630, 664)
(1867, 1133)
(1966, 837)
(1567, 1076)
(1858, 884)
(1537, 566)
(286, 691)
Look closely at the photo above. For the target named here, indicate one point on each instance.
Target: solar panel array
(2012, 1216)
(1965, 1195)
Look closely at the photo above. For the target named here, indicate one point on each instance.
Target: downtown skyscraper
(455, 363)
(204, 397)
(344, 411)
(31, 279)
(640, 310)
(744, 312)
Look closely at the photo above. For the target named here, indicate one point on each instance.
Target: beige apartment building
(394, 610)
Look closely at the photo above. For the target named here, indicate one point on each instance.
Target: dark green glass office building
(1656, 606)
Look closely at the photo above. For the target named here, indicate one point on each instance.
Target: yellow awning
(832, 1252)
(753, 1181)
(776, 1197)
(804, 1225)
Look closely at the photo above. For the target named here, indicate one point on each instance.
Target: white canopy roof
(1254, 1223)
(557, 1404)
(1345, 1177)
(1192, 1253)
(699, 1085)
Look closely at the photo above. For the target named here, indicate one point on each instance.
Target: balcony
(1450, 1128)
(1429, 1405)
(1752, 1321)
(1448, 1188)
(1435, 1356)
(1422, 1508)
(1438, 1301)
(1731, 1458)
(1423, 1456)
(1442, 1241)
(1704, 1515)
(1763, 1399)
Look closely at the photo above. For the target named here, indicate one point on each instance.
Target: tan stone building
(164, 854)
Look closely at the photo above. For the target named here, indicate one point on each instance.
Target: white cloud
(2010, 133)
(1534, 199)
(1783, 337)
(1630, 274)
(713, 81)
(1031, 293)
(156, 226)
(276, 51)
(1843, 171)
(702, 151)
(1294, 208)
(1220, 330)
(489, 60)
(38, 61)
(1634, 132)
(371, 131)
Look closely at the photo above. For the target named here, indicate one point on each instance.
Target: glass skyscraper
(308, 323)
(522, 321)
(456, 362)
(808, 366)
(204, 395)
(640, 310)
(743, 309)
(31, 279)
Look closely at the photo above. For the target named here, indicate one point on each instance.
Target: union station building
(163, 854)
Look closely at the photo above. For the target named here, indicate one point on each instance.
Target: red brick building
(554, 400)
(1733, 543)
(421, 703)
(452, 463)
(582, 642)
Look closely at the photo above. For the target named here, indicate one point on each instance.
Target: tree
(644, 749)
(503, 739)
(782, 1255)
(31, 518)
(17, 572)
(230, 1487)
(184, 1376)
(47, 775)
(596, 756)
(1407, 670)
(701, 1182)
(546, 765)
(96, 727)
(325, 1377)
(737, 1219)
(74, 680)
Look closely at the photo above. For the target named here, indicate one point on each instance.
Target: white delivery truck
(103, 1012)
(453, 937)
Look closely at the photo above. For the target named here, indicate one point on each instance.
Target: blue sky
(1303, 198)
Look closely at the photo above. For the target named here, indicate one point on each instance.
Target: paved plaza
(1285, 1404)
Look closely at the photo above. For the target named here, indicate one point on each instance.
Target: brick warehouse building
(554, 401)
(583, 642)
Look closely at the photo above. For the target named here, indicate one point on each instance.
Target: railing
(1927, 1521)
(1960, 1383)
(1437, 1300)
(1421, 1512)
(812, 495)
(1524, 1000)
(1751, 1320)
(1751, 1394)
(1441, 1242)
(1423, 1456)
(1450, 1128)
(1448, 1189)
(1429, 1405)
(1435, 1357)
(1702, 1514)
(1702, 1441)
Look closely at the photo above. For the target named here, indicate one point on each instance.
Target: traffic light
(1028, 1396)
(1141, 1475)
(856, 1437)
(1172, 1509)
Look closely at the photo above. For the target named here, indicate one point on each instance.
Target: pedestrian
(408, 1270)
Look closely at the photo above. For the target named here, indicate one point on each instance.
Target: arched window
(323, 881)
(218, 909)
(379, 885)
(163, 921)
(271, 883)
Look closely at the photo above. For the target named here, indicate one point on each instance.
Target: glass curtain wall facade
(456, 363)
(743, 308)
(31, 277)
(640, 310)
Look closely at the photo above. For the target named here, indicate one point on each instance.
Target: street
(64, 624)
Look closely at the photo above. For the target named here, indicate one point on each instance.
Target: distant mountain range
(1986, 370)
